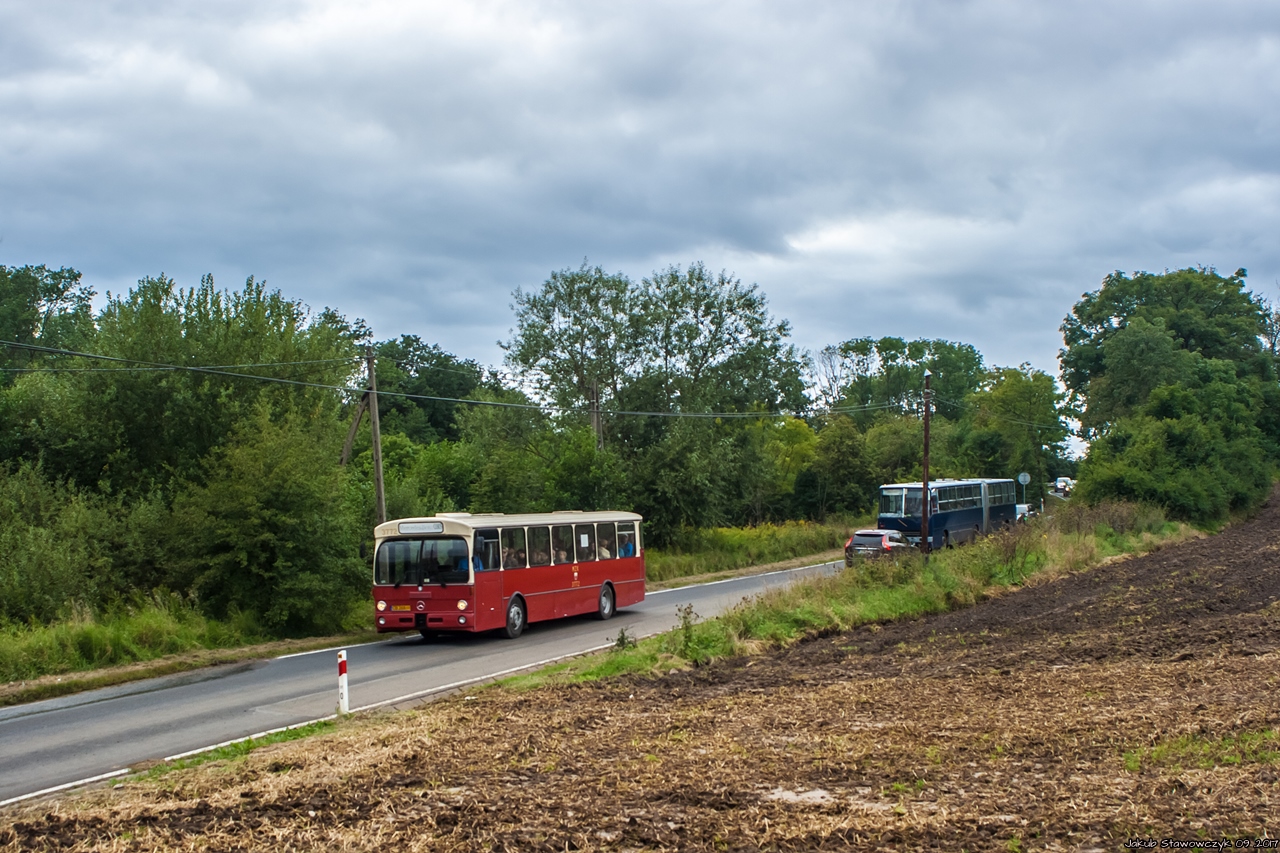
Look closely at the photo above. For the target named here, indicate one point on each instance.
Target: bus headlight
(382, 605)
(462, 604)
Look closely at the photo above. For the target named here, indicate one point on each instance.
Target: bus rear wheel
(516, 619)
(607, 606)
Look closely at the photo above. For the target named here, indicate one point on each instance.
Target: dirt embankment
(1140, 699)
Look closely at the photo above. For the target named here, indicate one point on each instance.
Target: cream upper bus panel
(422, 527)
(461, 524)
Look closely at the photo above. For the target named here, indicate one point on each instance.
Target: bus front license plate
(396, 607)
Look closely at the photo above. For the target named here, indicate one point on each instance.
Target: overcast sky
(961, 170)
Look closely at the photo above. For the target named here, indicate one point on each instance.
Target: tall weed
(149, 627)
(697, 552)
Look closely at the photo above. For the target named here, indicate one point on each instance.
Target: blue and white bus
(960, 510)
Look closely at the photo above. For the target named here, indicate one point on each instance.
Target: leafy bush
(270, 532)
(63, 545)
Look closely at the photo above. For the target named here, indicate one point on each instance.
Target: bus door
(490, 608)
(564, 576)
(585, 584)
(537, 581)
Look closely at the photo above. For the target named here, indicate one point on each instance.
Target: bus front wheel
(606, 607)
(516, 619)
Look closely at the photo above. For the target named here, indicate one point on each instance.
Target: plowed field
(1137, 700)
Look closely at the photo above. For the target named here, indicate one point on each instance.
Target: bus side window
(539, 546)
(626, 539)
(605, 538)
(562, 543)
(486, 550)
(513, 550)
(586, 542)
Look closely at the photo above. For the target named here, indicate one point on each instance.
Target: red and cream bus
(461, 572)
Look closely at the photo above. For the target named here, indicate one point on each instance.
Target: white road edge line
(64, 787)
(405, 698)
(443, 688)
(333, 649)
(192, 752)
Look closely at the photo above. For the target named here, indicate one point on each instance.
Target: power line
(168, 368)
(217, 371)
(226, 370)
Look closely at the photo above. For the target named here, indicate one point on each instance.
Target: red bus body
(449, 573)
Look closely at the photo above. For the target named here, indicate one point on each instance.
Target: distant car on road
(874, 543)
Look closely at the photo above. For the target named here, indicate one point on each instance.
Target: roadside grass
(719, 549)
(871, 591)
(160, 634)
(234, 751)
(151, 627)
(1195, 752)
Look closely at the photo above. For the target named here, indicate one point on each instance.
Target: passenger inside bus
(562, 542)
(540, 546)
(625, 548)
(604, 533)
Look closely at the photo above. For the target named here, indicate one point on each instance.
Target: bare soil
(1137, 700)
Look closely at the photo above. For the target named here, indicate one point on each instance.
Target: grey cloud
(983, 162)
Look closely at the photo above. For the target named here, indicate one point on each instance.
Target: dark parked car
(874, 543)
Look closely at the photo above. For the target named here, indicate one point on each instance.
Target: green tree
(411, 366)
(270, 530)
(136, 427)
(867, 378)
(1198, 310)
(781, 449)
(41, 307)
(838, 479)
(1177, 391)
(713, 345)
(579, 330)
(1021, 409)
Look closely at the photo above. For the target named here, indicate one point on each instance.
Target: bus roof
(948, 482)
(459, 523)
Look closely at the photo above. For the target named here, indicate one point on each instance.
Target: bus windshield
(900, 502)
(422, 561)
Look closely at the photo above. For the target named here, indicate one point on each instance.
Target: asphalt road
(77, 738)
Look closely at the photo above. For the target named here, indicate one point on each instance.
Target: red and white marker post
(344, 705)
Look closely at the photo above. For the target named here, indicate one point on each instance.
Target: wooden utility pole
(355, 426)
(377, 438)
(925, 542)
